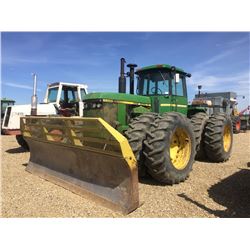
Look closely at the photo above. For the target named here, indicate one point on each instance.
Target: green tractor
(121, 136)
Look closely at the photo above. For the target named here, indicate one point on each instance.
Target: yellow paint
(180, 148)
(126, 150)
(173, 105)
(227, 138)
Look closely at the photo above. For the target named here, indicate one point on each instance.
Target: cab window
(178, 88)
(52, 95)
(69, 94)
(156, 83)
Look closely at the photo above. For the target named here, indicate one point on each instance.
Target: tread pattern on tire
(157, 157)
(213, 137)
(199, 121)
(136, 134)
(235, 119)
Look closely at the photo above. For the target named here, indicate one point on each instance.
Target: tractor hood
(119, 97)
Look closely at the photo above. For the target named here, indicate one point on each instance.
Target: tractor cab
(165, 85)
(67, 97)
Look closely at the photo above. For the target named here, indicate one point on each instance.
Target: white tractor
(61, 98)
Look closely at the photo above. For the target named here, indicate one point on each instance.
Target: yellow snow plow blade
(86, 156)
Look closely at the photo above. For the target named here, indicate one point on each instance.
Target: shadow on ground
(232, 192)
(148, 180)
(16, 150)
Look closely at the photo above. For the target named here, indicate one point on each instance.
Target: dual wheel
(163, 145)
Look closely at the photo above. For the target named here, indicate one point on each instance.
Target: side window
(83, 93)
(145, 86)
(177, 88)
(71, 95)
(52, 96)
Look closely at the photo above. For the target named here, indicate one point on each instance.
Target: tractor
(218, 102)
(61, 98)
(125, 135)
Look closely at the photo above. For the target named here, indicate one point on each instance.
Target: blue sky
(219, 61)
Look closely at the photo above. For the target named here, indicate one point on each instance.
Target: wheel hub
(180, 148)
(227, 139)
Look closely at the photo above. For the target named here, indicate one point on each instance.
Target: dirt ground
(212, 190)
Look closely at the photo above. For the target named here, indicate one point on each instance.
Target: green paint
(140, 110)
(119, 108)
(121, 115)
(118, 97)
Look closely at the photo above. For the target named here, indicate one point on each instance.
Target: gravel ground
(212, 190)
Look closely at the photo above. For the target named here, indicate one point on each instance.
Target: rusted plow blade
(84, 155)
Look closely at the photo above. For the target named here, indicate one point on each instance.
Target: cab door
(179, 95)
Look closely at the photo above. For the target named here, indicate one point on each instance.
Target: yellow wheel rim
(180, 148)
(227, 138)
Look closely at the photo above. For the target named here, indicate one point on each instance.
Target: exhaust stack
(34, 96)
(122, 78)
(131, 74)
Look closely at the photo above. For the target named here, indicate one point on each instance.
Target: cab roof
(67, 84)
(159, 66)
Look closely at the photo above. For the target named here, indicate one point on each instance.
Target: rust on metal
(84, 155)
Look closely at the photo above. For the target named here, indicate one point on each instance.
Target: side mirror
(177, 77)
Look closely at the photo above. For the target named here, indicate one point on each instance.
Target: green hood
(118, 97)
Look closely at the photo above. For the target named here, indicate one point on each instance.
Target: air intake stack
(122, 78)
(34, 97)
(131, 75)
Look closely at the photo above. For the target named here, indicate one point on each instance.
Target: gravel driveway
(212, 190)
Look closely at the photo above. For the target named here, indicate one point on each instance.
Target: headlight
(93, 104)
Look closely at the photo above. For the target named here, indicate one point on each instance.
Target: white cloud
(231, 46)
(20, 86)
(239, 41)
(215, 58)
(238, 82)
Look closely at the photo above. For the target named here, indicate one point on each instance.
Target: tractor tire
(20, 140)
(136, 134)
(236, 124)
(170, 148)
(199, 121)
(218, 137)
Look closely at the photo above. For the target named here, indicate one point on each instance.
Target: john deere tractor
(120, 135)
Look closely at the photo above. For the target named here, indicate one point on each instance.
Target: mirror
(177, 77)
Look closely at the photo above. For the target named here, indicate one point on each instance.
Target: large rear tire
(20, 140)
(236, 124)
(170, 148)
(136, 134)
(199, 121)
(218, 137)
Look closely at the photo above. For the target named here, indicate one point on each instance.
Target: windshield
(154, 83)
(52, 94)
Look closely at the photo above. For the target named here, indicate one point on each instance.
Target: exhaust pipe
(34, 96)
(131, 77)
(122, 78)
